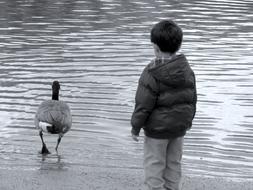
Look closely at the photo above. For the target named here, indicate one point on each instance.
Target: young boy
(165, 107)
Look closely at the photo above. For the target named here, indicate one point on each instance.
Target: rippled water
(97, 50)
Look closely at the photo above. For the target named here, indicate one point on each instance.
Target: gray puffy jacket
(165, 99)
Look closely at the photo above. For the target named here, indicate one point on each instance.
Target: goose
(53, 117)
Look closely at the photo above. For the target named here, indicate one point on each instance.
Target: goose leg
(44, 149)
(58, 142)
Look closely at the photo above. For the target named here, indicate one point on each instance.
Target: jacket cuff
(135, 131)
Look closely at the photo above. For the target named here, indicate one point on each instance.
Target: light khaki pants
(162, 163)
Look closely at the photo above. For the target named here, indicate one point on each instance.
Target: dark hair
(167, 35)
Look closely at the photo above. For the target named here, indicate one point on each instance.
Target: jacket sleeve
(195, 96)
(145, 101)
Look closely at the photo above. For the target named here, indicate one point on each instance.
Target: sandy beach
(93, 178)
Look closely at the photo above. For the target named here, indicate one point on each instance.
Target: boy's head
(167, 35)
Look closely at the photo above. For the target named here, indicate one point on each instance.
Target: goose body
(53, 113)
(53, 116)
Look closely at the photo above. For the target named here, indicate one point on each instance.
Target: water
(97, 50)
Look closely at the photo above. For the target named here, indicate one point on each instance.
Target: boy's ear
(156, 49)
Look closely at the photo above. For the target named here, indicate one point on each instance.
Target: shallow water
(97, 50)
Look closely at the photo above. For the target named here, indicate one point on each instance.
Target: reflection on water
(97, 50)
(52, 162)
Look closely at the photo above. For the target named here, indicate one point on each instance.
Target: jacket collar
(170, 71)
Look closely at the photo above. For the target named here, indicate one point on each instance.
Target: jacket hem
(164, 135)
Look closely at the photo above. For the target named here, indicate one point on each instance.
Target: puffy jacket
(165, 102)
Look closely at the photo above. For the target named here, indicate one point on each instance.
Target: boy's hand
(135, 137)
(135, 134)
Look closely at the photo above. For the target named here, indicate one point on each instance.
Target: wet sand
(93, 178)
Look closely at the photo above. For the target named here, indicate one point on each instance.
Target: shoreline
(94, 178)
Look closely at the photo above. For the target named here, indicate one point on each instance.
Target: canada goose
(54, 117)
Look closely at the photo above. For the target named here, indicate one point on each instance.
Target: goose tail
(44, 126)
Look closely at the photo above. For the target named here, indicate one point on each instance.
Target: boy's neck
(165, 55)
(162, 55)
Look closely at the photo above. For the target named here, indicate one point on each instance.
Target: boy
(165, 107)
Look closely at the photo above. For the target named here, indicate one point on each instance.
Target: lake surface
(97, 50)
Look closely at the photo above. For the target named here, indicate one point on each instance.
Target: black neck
(55, 96)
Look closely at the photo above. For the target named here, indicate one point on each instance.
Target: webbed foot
(44, 150)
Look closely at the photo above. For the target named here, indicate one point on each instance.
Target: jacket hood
(170, 71)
